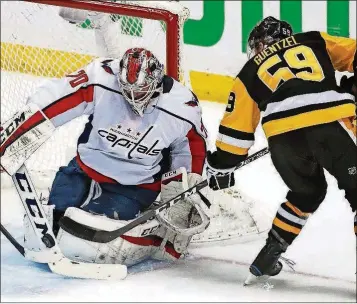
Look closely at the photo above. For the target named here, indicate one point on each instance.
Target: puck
(48, 240)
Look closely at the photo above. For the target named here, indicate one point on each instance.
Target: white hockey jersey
(118, 146)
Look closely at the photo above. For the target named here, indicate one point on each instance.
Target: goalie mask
(265, 33)
(140, 76)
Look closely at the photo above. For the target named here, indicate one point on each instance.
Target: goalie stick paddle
(107, 236)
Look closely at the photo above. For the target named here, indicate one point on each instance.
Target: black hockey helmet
(267, 32)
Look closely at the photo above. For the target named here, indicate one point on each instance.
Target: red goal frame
(171, 20)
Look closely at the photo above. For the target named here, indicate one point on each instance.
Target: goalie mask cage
(37, 43)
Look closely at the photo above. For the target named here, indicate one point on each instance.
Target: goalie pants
(72, 187)
(300, 157)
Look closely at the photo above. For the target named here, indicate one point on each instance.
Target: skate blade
(252, 279)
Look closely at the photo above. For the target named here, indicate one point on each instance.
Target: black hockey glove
(218, 178)
(347, 84)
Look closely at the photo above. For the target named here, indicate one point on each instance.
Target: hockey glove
(218, 178)
(348, 84)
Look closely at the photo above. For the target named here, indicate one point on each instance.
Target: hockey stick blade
(12, 240)
(69, 268)
(108, 236)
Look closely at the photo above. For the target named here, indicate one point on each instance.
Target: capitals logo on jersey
(131, 140)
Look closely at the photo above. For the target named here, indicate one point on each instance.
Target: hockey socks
(289, 221)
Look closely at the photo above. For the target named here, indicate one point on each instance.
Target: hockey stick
(107, 236)
(52, 254)
(12, 240)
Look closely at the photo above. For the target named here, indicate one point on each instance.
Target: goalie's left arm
(189, 150)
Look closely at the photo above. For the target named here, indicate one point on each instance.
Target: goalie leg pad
(138, 244)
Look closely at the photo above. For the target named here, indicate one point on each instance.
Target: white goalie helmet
(140, 76)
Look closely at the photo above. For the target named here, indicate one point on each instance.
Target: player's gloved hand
(218, 178)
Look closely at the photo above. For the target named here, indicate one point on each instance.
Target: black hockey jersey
(289, 85)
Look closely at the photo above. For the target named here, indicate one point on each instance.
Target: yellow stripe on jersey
(341, 51)
(231, 149)
(308, 119)
(245, 115)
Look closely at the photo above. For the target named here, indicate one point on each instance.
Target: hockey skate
(267, 263)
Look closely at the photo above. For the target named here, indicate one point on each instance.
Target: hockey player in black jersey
(309, 121)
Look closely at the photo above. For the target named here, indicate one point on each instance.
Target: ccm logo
(149, 231)
(171, 173)
(31, 203)
(183, 196)
(5, 134)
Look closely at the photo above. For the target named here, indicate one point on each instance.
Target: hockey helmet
(267, 32)
(140, 76)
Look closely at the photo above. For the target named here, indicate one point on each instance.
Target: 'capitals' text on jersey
(117, 145)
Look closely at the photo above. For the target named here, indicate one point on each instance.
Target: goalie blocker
(22, 135)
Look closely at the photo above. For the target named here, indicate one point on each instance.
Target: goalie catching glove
(186, 217)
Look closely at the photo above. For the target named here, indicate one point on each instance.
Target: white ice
(325, 255)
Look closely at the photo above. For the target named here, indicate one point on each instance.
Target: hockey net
(37, 43)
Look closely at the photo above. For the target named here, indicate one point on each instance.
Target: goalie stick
(100, 236)
(52, 254)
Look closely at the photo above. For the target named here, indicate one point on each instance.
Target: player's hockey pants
(300, 157)
(73, 188)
